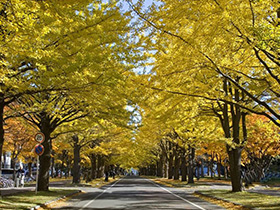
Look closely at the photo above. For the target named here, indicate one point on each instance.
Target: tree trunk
(191, 165)
(93, 166)
(184, 166)
(153, 170)
(170, 166)
(176, 163)
(234, 153)
(29, 169)
(77, 159)
(219, 166)
(164, 161)
(235, 168)
(99, 166)
(160, 166)
(212, 173)
(45, 158)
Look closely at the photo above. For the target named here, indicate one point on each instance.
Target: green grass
(28, 200)
(251, 200)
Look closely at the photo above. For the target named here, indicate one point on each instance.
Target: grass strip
(247, 199)
(28, 200)
(226, 204)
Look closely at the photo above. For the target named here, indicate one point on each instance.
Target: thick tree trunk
(234, 153)
(219, 166)
(153, 170)
(13, 165)
(170, 166)
(77, 159)
(212, 172)
(170, 160)
(106, 172)
(235, 168)
(176, 164)
(93, 166)
(160, 166)
(164, 161)
(183, 167)
(165, 174)
(191, 165)
(45, 159)
(29, 169)
(100, 166)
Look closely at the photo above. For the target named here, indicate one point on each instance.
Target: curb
(55, 200)
(224, 200)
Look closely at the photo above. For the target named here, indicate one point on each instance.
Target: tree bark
(176, 163)
(77, 159)
(160, 168)
(219, 166)
(191, 165)
(170, 161)
(212, 172)
(100, 166)
(93, 166)
(184, 166)
(45, 158)
(234, 153)
(235, 168)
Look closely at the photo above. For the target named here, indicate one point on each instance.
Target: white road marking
(187, 201)
(86, 205)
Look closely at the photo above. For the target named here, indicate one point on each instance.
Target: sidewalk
(15, 190)
(31, 187)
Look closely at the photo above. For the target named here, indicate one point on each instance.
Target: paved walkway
(31, 187)
(15, 190)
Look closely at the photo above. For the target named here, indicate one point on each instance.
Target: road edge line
(87, 204)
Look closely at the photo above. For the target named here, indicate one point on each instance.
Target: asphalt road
(137, 193)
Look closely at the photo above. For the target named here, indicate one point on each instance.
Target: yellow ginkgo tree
(72, 66)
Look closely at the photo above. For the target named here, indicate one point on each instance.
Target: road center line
(187, 201)
(87, 204)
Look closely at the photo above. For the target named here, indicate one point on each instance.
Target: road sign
(39, 149)
(40, 137)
